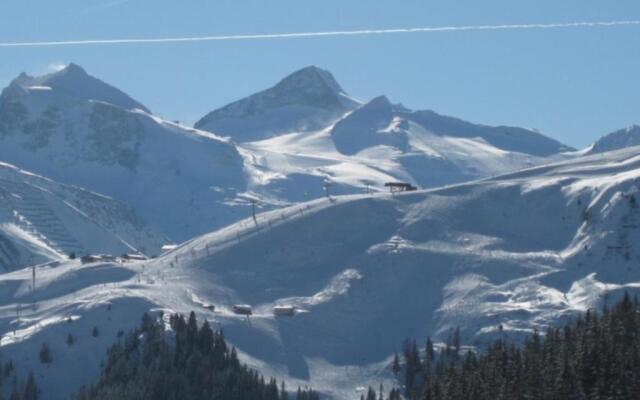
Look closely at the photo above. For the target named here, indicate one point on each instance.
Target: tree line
(191, 361)
(596, 357)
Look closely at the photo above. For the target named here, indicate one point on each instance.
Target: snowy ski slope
(520, 251)
(42, 220)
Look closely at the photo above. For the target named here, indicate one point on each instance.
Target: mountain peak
(74, 82)
(311, 86)
(379, 101)
(307, 99)
(625, 137)
(383, 104)
(368, 126)
(311, 78)
(71, 69)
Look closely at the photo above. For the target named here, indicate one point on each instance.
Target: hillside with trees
(596, 357)
(190, 361)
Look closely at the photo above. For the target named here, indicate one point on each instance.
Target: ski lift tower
(33, 280)
(325, 186)
(247, 199)
(368, 183)
(253, 210)
(33, 285)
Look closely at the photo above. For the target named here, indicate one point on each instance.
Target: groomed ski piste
(520, 251)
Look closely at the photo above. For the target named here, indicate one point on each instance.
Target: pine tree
(395, 367)
(45, 354)
(30, 388)
(8, 368)
(371, 394)
(15, 394)
(196, 364)
(283, 392)
(456, 341)
(595, 358)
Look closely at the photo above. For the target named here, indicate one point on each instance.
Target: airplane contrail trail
(318, 34)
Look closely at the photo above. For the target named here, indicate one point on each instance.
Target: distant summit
(308, 99)
(381, 123)
(368, 126)
(626, 137)
(72, 82)
(313, 86)
(508, 138)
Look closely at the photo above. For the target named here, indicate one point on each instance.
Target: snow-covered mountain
(42, 220)
(380, 123)
(620, 139)
(72, 84)
(517, 252)
(380, 142)
(306, 131)
(77, 130)
(307, 100)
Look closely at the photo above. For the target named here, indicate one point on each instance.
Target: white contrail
(319, 34)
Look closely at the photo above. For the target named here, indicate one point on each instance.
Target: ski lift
(400, 187)
(284, 311)
(242, 309)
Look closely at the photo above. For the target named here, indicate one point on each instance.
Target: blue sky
(573, 84)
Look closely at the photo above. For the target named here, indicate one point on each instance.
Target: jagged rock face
(74, 132)
(12, 114)
(308, 99)
(83, 118)
(114, 136)
(620, 139)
